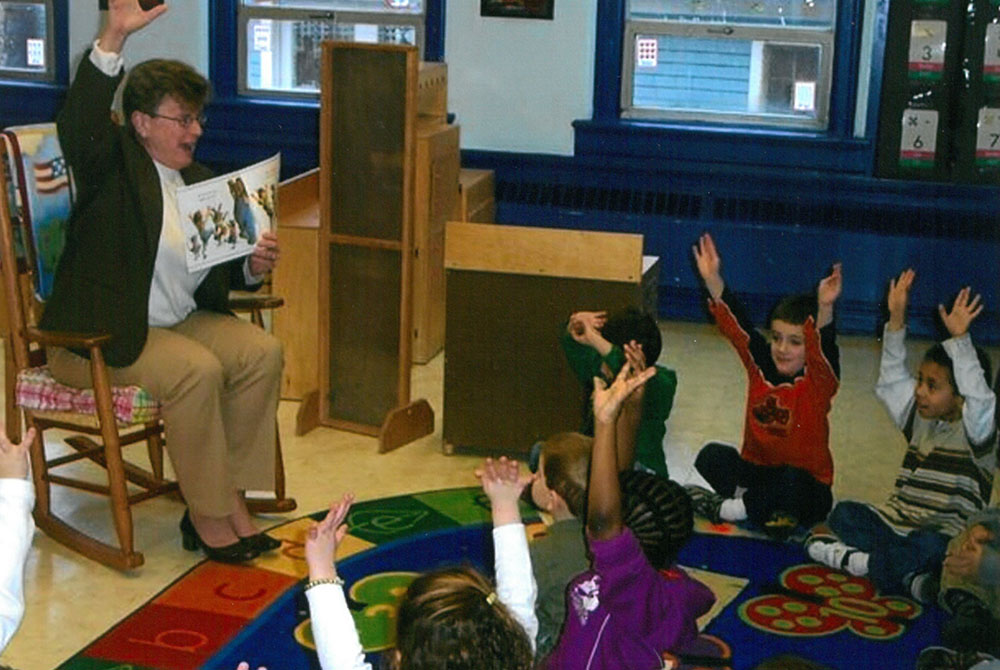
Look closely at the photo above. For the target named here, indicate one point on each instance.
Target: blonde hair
(450, 619)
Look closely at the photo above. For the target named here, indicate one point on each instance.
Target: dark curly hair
(659, 513)
(632, 323)
(448, 621)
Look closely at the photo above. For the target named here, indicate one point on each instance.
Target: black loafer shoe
(261, 542)
(237, 552)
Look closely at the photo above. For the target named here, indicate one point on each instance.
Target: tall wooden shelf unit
(367, 156)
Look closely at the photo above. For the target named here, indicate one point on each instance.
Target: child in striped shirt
(947, 415)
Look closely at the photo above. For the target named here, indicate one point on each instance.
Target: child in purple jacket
(623, 612)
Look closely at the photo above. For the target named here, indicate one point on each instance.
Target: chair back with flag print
(41, 198)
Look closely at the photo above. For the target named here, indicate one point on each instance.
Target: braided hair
(659, 513)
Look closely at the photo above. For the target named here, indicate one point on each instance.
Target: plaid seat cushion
(37, 390)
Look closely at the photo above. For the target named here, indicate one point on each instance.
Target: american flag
(51, 176)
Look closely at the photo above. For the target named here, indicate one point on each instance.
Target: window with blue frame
(26, 40)
(279, 40)
(747, 62)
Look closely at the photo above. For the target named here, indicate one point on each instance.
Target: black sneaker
(705, 502)
(922, 587)
(942, 658)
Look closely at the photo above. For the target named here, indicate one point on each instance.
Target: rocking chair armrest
(55, 338)
(250, 302)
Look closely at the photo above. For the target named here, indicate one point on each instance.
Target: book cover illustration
(223, 217)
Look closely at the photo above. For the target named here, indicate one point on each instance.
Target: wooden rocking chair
(35, 201)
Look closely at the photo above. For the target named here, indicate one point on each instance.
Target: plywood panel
(367, 107)
(437, 167)
(296, 324)
(364, 302)
(507, 383)
(543, 251)
(367, 119)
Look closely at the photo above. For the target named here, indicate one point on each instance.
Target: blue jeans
(890, 556)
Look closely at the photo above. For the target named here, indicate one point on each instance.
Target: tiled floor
(70, 600)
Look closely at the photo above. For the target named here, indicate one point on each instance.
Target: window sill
(634, 141)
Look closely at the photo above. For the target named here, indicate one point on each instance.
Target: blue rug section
(763, 562)
(271, 640)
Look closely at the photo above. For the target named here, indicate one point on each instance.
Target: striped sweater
(947, 472)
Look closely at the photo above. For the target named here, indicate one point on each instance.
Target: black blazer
(103, 278)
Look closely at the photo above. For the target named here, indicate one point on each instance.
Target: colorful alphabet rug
(770, 599)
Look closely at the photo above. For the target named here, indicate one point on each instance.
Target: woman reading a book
(123, 272)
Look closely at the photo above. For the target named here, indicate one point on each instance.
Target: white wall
(181, 33)
(518, 84)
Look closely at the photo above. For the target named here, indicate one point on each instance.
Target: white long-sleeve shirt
(337, 642)
(17, 499)
(896, 386)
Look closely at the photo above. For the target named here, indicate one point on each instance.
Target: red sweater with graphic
(786, 423)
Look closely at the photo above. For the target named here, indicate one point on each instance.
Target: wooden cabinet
(437, 168)
(510, 292)
(295, 279)
(476, 203)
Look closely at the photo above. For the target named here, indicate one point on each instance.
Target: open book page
(223, 217)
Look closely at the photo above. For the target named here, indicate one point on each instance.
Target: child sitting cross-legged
(450, 618)
(947, 417)
(623, 612)
(782, 476)
(595, 345)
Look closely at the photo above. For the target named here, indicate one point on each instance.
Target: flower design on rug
(820, 601)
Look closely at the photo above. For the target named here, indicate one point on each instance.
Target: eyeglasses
(183, 121)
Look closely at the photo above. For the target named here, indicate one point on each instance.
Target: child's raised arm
(17, 498)
(899, 296)
(978, 399)
(826, 295)
(516, 588)
(604, 504)
(337, 643)
(895, 385)
(706, 257)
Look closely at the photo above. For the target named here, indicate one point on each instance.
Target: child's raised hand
(965, 560)
(246, 666)
(503, 482)
(14, 457)
(635, 357)
(585, 326)
(899, 295)
(608, 400)
(830, 286)
(963, 312)
(322, 539)
(706, 257)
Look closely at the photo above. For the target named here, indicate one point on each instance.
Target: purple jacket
(623, 613)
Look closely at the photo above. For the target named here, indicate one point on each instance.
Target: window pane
(727, 76)
(390, 6)
(285, 55)
(23, 46)
(775, 13)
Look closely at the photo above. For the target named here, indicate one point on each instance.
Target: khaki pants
(217, 378)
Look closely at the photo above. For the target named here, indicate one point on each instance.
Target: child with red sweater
(782, 476)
